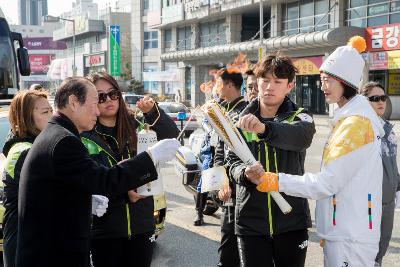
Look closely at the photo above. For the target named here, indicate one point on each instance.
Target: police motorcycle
(188, 167)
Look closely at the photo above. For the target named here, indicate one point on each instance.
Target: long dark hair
(126, 128)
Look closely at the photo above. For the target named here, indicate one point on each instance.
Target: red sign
(39, 64)
(385, 37)
(94, 60)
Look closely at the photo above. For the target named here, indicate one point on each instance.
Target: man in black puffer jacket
(266, 236)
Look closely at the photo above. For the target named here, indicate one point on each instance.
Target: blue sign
(114, 45)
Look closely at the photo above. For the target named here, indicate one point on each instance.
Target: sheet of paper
(213, 179)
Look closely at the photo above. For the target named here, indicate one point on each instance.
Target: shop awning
(327, 38)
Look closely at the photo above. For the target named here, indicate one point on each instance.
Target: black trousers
(283, 250)
(228, 249)
(122, 252)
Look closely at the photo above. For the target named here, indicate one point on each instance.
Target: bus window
(8, 69)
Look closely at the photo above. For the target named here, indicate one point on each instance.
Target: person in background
(233, 104)
(124, 235)
(28, 115)
(391, 179)
(251, 86)
(58, 179)
(36, 86)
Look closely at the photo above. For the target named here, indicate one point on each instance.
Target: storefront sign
(94, 60)
(376, 60)
(394, 84)
(384, 37)
(308, 65)
(43, 43)
(393, 59)
(193, 5)
(114, 37)
(39, 64)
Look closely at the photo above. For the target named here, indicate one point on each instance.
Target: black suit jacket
(56, 184)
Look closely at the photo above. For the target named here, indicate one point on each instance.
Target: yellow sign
(394, 84)
(260, 54)
(306, 66)
(393, 59)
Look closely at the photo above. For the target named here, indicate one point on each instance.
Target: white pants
(349, 254)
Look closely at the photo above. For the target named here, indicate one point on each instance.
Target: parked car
(172, 109)
(131, 99)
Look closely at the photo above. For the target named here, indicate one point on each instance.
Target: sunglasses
(113, 95)
(377, 98)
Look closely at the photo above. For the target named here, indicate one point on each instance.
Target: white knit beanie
(346, 62)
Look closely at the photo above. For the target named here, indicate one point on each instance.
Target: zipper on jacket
(128, 216)
(271, 228)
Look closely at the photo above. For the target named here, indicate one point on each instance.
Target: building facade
(30, 12)
(194, 36)
(92, 45)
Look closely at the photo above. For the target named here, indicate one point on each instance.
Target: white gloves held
(164, 150)
(397, 206)
(99, 205)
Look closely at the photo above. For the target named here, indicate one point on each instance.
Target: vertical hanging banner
(114, 50)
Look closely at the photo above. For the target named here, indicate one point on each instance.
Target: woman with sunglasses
(28, 115)
(124, 235)
(391, 179)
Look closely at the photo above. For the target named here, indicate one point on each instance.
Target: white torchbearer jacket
(348, 188)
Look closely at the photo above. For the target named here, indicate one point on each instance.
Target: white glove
(398, 200)
(99, 205)
(164, 150)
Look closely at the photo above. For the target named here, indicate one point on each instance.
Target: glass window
(184, 38)
(321, 6)
(395, 6)
(292, 11)
(305, 16)
(356, 13)
(395, 18)
(167, 39)
(376, 1)
(146, 4)
(362, 23)
(356, 3)
(150, 38)
(306, 8)
(212, 33)
(375, 21)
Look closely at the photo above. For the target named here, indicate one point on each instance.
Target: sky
(56, 7)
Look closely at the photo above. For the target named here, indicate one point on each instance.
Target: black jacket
(116, 221)
(286, 138)
(221, 152)
(15, 149)
(56, 184)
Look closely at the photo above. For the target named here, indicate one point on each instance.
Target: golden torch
(228, 132)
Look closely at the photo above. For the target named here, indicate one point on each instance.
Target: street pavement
(183, 244)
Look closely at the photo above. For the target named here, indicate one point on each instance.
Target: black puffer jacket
(124, 218)
(15, 149)
(282, 148)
